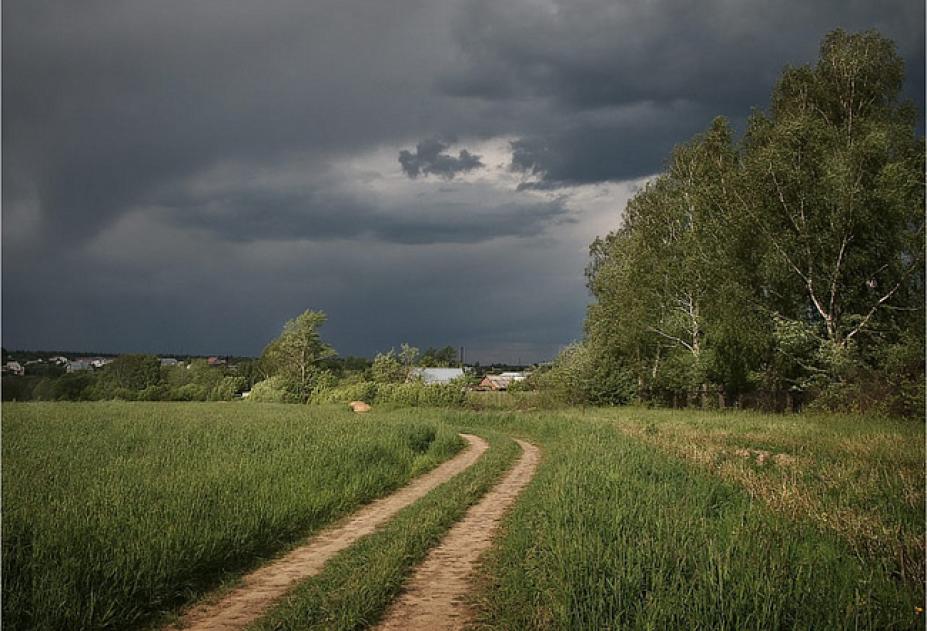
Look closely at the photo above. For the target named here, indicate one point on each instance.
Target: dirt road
(261, 588)
(435, 597)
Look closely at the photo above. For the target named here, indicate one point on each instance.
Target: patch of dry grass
(862, 478)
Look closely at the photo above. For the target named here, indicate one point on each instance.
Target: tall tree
(793, 255)
(837, 188)
(296, 354)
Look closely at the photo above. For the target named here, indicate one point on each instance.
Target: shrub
(273, 390)
(189, 392)
(365, 391)
(417, 393)
(226, 389)
(160, 392)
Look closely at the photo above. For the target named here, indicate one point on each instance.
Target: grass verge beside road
(117, 512)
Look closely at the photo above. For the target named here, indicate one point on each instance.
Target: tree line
(781, 268)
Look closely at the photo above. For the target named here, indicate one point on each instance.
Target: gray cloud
(590, 54)
(675, 64)
(315, 216)
(597, 148)
(117, 116)
(429, 159)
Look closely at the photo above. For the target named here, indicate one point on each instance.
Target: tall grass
(115, 512)
(860, 477)
(617, 533)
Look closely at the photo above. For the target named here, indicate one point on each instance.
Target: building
(215, 361)
(169, 362)
(432, 376)
(76, 365)
(515, 376)
(14, 368)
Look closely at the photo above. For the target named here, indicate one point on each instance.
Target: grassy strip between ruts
(356, 586)
(613, 533)
(116, 512)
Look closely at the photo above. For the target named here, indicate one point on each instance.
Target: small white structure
(77, 365)
(515, 376)
(14, 368)
(60, 360)
(169, 361)
(432, 376)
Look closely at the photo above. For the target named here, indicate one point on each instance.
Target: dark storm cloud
(111, 110)
(104, 104)
(599, 149)
(598, 53)
(686, 61)
(429, 159)
(317, 216)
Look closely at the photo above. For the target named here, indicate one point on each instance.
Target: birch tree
(296, 354)
(837, 187)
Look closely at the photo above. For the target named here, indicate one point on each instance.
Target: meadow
(114, 513)
(637, 518)
(674, 533)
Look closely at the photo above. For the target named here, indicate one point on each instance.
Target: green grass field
(624, 528)
(117, 513)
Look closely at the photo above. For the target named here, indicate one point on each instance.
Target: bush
(417, 393)
(403, 394)
(226, 389)
(365, 391)
(160, 392)
(189, 392)
(580, 376)
(273, 390)
(19, 388)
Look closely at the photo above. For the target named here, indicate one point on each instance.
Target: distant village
(20, 368)
(492, 378)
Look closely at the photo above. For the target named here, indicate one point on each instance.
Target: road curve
(260, 589)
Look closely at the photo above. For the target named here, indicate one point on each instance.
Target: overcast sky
(185, 176)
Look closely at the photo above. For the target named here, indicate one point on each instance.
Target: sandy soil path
(435, 596)
(264, 586)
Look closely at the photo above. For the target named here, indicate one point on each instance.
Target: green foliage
(580, 375)
(131, 378)
(273, 390)
(227, 388)
(387, 368)
(19, 388)
(783, 262)
(133, 372)
(416, 393)
(408, 355)
(439, 357)
(296, 355)
(77, 386)
(365, 391)
(410, 394)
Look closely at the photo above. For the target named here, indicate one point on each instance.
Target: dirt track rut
(435, 597)
(261, 588)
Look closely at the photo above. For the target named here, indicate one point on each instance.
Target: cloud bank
(187, 176)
